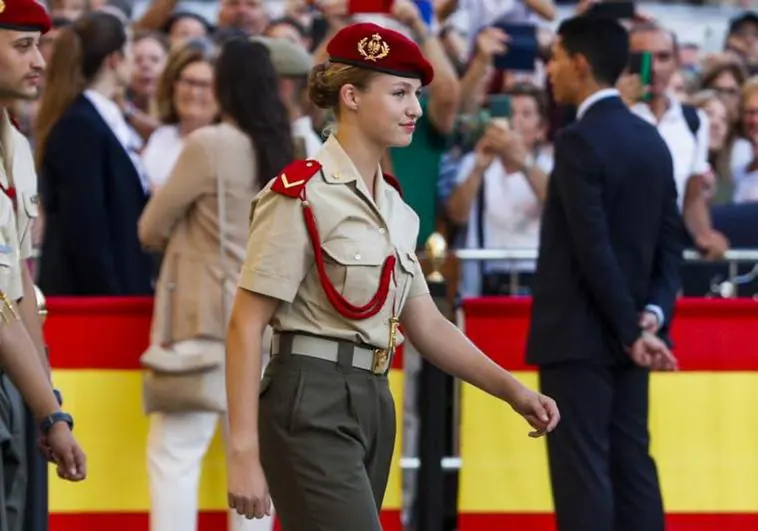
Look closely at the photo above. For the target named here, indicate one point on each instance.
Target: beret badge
(2, 6)
(373, 49)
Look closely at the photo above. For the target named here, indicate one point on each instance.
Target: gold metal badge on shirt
(373, 49)
(7, 311)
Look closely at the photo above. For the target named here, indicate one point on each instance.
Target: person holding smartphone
(685, 130)
(499, 191)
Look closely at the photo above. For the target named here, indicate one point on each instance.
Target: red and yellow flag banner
(704, 434)
(703, 431)
(95, 346)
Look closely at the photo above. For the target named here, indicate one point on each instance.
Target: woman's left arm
(191, 177)
(441, 343)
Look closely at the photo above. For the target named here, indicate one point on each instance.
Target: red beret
(384, 50)
(24, 15)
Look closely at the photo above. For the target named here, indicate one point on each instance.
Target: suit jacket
(92, 198)
(611, 238)
(182, 219)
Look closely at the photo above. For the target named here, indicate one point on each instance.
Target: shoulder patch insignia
(394, 183)
(295, 176)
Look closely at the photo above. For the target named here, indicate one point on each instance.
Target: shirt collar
(338, 168)
(106, 107)
(302, 126)
(594, 98)
(673, 108)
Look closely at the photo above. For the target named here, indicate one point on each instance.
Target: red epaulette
(393, 182)
(292, 180)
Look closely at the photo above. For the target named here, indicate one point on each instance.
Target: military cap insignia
(2, 6)
(373, 49)
(292, 180)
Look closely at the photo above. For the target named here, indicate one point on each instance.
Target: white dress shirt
(128, 137)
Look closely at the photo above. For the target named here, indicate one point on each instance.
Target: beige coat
(182, 220)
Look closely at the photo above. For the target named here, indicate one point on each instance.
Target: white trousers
(176, 446)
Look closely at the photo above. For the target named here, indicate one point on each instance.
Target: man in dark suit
(607, 278)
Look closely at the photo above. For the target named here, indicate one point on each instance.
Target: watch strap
(59, 416)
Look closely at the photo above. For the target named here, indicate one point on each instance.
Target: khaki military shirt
(357, 235)
(17, 170)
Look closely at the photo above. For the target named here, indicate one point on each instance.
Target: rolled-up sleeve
(419, 285)
(279, 252)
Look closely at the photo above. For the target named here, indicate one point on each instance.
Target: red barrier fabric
(207, 521)
(708, 334)
(546, 522)
(104, 333)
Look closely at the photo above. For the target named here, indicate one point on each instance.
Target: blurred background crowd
(478, 166)
(147, 108)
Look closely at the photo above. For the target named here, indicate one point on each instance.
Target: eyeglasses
(200, 84)
(731, 92)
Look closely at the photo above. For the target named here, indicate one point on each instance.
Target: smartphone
(615, 10)
(355, 7)
(523, 48)
(499, 106)
(641, 64)
(426, 9)
(470, 128)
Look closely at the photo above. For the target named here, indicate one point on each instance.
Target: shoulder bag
(184, 382)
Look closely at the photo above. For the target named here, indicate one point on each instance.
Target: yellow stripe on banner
(703, 439)
(393, 498)
(112, 429)
(503, 470)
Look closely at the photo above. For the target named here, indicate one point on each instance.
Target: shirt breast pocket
(354, 269)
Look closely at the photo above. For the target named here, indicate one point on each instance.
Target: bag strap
(692, 119)
(222, 242)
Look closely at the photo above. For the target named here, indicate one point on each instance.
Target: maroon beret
(384, 50)
(24, 15)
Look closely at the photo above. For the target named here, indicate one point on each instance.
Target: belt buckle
(381, 361)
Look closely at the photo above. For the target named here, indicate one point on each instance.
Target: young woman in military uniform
(330, 265)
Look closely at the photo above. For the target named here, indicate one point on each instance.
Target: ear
(114, 60)
(581, 65)
(349, 96)
(286, 86)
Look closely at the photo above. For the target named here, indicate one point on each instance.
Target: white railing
(720, 287)
(739, 256)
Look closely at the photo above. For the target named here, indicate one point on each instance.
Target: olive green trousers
(327, 433)
(13, 458)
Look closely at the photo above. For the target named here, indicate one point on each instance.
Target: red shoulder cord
(10, 192)
(340, 303)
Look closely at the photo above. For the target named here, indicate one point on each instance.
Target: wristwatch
(59, 416)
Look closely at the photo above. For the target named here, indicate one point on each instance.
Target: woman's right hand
(484, 155)
(248, 490)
